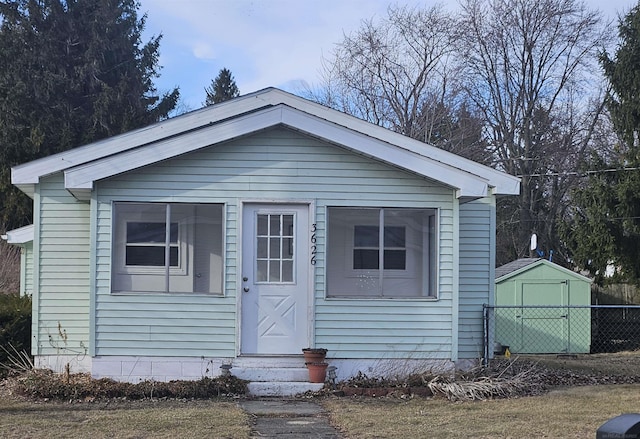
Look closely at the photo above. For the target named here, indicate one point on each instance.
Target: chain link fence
(572, 329)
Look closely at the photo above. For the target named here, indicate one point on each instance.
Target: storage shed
(542, 308)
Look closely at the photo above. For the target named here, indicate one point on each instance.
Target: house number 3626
(314, 248)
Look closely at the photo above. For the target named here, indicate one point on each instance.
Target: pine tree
(222, 88)
(71, 72)
(605, 229)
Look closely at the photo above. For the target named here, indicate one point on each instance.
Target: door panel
(275, 279)
(544, 329)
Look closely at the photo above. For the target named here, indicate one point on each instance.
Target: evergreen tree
(605, 228)
(222, 88)
(71, 72)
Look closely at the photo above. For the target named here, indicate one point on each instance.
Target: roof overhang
(19, 236)
(249, 114)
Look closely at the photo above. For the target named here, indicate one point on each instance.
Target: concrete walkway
(288, 418)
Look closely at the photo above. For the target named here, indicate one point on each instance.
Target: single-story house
(242, 232)
(542, 308)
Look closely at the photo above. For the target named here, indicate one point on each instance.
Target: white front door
(275, 279)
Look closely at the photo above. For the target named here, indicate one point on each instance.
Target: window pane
(287, 248)
(365, 259)
(262, 247)
(287, 225)
(205, 222)
(394, 236)
(287, 271)
(395, 259)
(263, 225)
(274, 271)
(274, 225)
(150, 232)
(262, 267)
(366, 236)
(274, 248)
(145, 256)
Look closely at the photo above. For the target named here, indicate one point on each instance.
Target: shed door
(543, 330)
(275, 279)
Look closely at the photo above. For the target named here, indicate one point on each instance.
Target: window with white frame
(167, 248)
(381, 252)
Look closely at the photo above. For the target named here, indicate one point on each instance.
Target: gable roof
(250, 114)
(521, 265)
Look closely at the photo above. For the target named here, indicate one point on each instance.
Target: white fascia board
(19, 236)
(82, 177)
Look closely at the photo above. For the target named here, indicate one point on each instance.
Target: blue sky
(264, 43)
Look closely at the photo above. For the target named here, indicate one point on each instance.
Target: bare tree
(530, 68)
(397, 72)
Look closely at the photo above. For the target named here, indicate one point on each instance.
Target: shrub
(15, 326)
(45, 384)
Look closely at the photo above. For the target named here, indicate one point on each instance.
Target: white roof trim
(543, 262)
(79, 180)
(19, 236)
(26, 175)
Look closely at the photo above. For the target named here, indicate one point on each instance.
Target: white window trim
(430, 281)
(186, 236)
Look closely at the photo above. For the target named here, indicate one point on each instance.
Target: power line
(579, 174)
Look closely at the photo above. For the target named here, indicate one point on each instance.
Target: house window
(366, 247)
(275, 258)
(362, 240)
(167, 248)
(146, 244)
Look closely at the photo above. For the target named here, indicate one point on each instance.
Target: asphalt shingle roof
(514, 265)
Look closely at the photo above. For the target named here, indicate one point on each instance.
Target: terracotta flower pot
(317, 372)
(314, 355)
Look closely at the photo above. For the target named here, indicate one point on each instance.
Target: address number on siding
(314, 248)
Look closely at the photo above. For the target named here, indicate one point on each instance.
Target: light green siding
(275, 165)
(477, 235)
(61, 287)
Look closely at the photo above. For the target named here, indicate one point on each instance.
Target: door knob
(245, 278)
(246, 289)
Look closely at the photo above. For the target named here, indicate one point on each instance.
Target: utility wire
(579, 174)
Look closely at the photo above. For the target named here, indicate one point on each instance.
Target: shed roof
(250, 114)
(518, 266)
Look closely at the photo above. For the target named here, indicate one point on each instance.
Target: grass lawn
(568, 413)
(122, 419)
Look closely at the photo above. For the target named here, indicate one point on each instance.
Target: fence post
(485, 334)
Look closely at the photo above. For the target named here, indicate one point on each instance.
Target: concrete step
(281, 388)
(273, 374)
